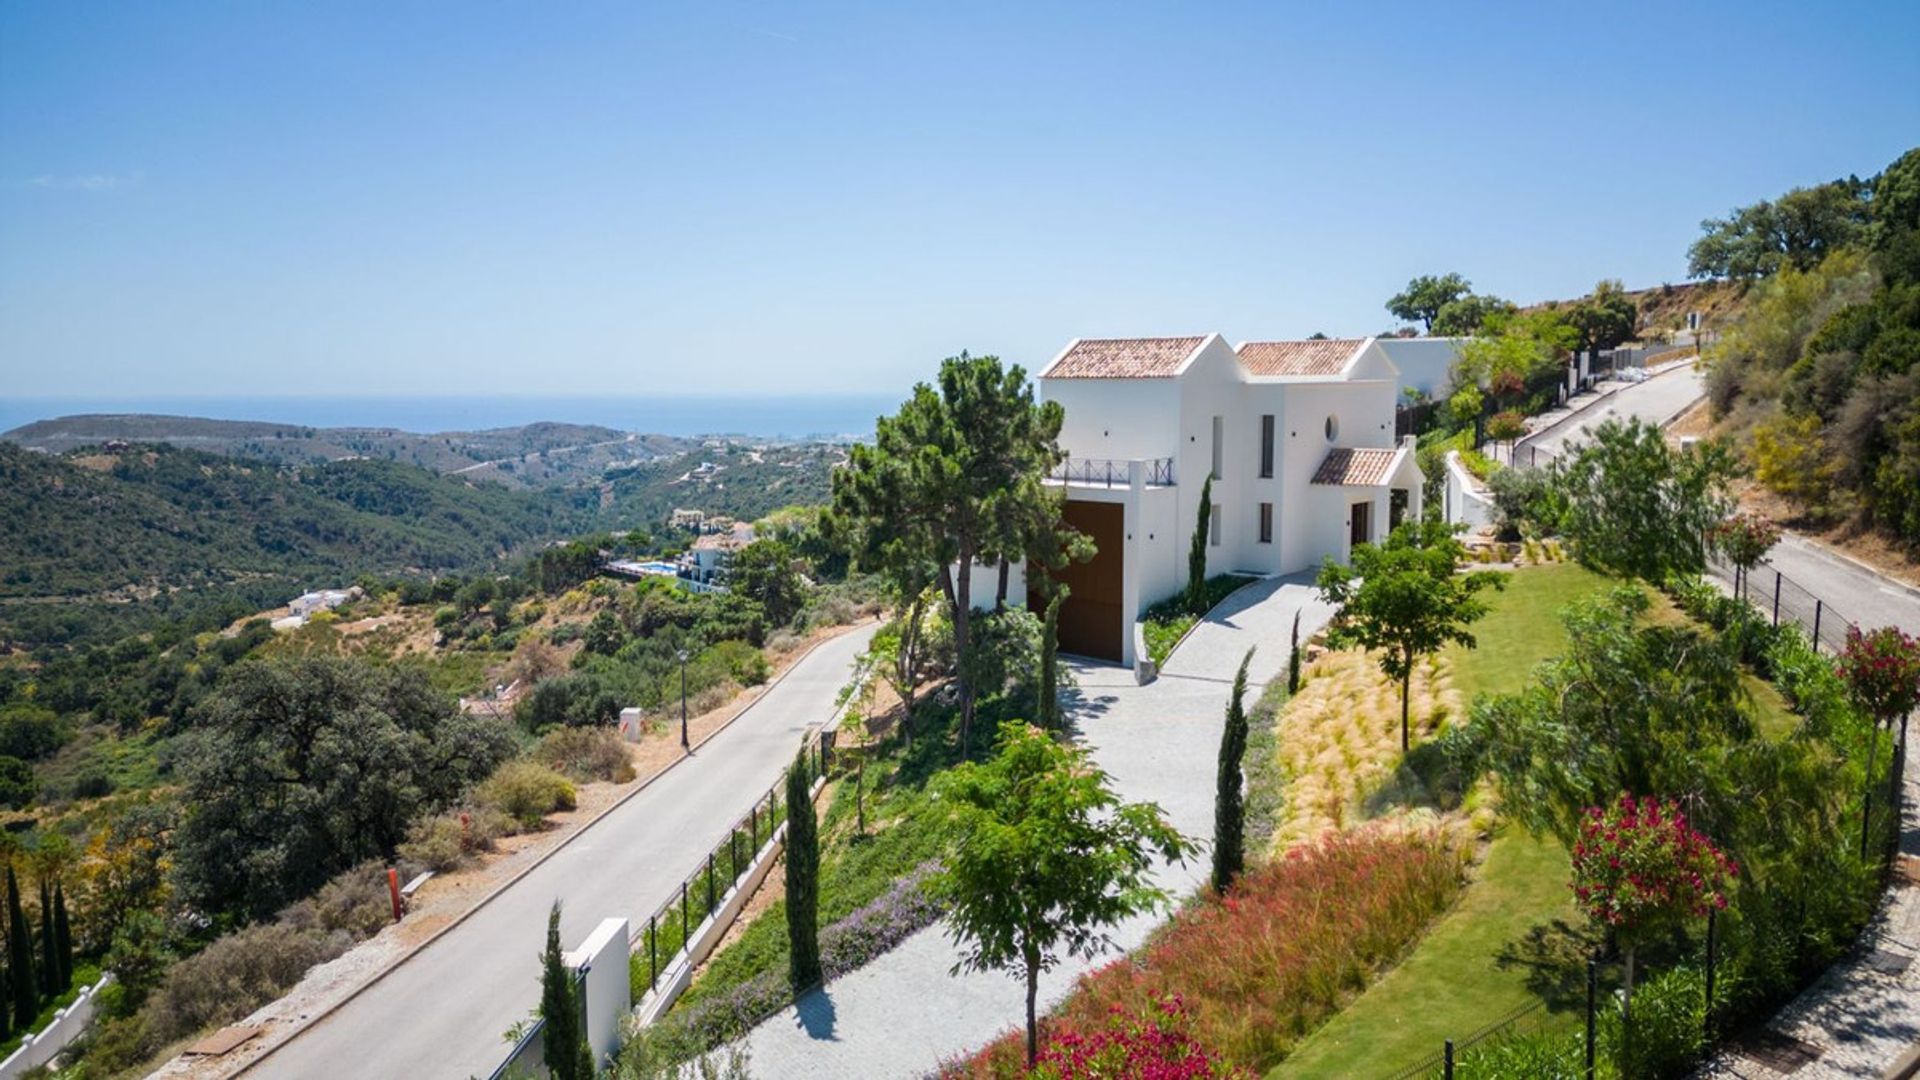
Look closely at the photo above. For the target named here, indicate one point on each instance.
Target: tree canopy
(1425, 295)
(1405, 598)
(1796, 230)
(956, 475)
(1633, 506)
(1044, 857)
(302, 768)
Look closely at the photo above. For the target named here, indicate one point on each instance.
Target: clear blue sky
(558, 198)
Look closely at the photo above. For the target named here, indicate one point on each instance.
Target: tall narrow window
(1266, 523)
(1266, 447)
(1213, 527)
(1219, 443)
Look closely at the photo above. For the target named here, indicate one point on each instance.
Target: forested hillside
(153, 531)
(1820, 379)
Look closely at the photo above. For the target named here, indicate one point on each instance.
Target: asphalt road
(1851, 590)
(442, 1012)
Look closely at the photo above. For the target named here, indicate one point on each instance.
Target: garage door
(1092, 620)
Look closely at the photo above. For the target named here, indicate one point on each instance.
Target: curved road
(442, 1012)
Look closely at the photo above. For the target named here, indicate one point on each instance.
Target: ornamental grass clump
(1283, 950)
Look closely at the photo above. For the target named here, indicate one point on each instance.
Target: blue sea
(794, 416)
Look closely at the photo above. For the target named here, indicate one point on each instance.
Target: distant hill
(174, 531)
(533, 455)
(118, 535)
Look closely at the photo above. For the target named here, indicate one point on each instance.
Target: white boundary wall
(67, 1025)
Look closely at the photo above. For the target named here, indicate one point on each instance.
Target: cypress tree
(1197, 553)
(1293, 659)
(63, 937)
(1050, 663)
(26, 998)
(49, 956)
(1229, 807)
(563, 1028)
(803, 881)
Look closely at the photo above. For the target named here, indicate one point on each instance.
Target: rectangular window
(1266, 447)
(1219, 443)
(1266, 523)
(1213, 527)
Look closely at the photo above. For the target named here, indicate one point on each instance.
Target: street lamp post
(684, 745)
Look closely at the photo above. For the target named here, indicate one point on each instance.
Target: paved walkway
(441, 1012)
(901, 1015)
(1259, 614)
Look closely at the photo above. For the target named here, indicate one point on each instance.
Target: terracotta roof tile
(1124, 358)
(1324, 356)
(1355, 468)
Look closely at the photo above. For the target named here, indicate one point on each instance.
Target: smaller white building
(308, 604)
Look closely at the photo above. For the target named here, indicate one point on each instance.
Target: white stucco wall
(1425, 363)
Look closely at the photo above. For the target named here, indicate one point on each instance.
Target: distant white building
(307, 604)
(1424, 363)
(711, 553)
(1298, 437)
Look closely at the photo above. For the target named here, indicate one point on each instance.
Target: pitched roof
(1322, 356)
(1355, 468)
(1123, 358)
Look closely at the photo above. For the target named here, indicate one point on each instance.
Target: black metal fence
(670, 928)
(1781, 599)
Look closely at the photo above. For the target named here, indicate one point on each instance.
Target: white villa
(1297, 435)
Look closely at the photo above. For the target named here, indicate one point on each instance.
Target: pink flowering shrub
(1639, 867)
(1882, 671)
(1157, 1044)
(1745, 539)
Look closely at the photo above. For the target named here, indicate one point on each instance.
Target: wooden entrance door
(1093, 618)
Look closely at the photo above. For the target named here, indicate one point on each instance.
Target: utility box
(630, 726)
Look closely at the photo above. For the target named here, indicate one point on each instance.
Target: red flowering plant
(1744, 539)
(1640, 869)
(1158, 1045)
(1882, 671)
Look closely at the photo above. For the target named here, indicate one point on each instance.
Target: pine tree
(1197, 553)
(1050, 662)
(63, 937)
(1229, 807)
(1293, 659)
(26, 998)
(803, 881)
(563, 1028)
(49, 970)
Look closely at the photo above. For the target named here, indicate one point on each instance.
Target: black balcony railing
(1113, 472)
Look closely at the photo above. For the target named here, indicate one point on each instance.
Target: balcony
(1114, 472)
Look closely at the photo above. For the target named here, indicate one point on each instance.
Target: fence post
(710, 897)
(1866, 818)
(1711, 921)
(1593, 982)
(1776, 596)
(684, 906)
(1446, 1067)
(753, 825)
(1817, 605)
(733, 852)
(653, 951)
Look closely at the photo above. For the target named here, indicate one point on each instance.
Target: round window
(1333, 428)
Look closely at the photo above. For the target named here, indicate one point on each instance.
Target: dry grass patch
(1339, 738)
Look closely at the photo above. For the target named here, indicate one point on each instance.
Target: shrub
(1156, 1044)
(356, 902)
(236, 975)
(586, 754)
(450, 841)
(1267, 963)
(526, 792)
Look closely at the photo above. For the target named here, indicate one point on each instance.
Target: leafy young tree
(1635, 507)
(1424, 297)
(1405, 598)
(1745, 539)
(764, 572)
(564, 1028)
(1043, 856)
(1229, 803)
(803, 880)
(1197, 550)
(300, 769)
(956, 475)
(1604, 319)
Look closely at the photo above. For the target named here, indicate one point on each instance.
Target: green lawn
(1513, 936)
